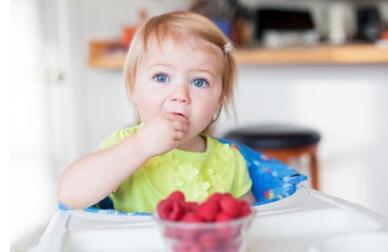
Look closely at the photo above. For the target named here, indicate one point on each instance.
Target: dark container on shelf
(369, 23)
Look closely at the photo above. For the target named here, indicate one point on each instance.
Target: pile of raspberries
(218, 208)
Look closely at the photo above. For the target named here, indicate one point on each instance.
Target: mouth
(179, 114)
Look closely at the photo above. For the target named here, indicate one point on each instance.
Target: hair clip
(228, 47)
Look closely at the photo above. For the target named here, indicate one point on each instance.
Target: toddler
(179, 74)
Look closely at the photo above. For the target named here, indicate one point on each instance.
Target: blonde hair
(179, 26)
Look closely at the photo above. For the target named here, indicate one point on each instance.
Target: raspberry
(208, 240)
(208, 210)
(177, 195)
(228, 233)
(230, 205)
(191, 217)
(190, 206)
(195, 248)
(177, 211)
(164, 208)
(189, 235)
(216, 197)
(221, 217)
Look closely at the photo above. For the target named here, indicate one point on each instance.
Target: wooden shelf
(323, 54)
(111, 55)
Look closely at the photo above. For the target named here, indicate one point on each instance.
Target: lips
(180, 114)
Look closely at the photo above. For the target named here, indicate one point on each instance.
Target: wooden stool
(283, 142)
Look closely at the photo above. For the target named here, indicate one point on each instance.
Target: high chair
(284, 142)
(280, 198)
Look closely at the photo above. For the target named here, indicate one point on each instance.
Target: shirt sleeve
(242, 182)
(115, 138)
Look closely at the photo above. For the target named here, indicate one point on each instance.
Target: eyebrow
(204, 70)
(160, 64)
(191, 70)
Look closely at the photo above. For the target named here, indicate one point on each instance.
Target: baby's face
(180, 78)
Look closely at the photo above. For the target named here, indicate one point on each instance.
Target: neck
(195, 144)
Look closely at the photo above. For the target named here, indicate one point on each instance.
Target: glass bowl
(228, 236)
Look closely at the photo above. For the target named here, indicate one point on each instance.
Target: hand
(162, 134)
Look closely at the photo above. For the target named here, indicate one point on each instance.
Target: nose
(180, 95)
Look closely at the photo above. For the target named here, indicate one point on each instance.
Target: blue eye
(201, 83)
(161, 78)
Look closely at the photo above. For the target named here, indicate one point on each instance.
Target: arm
(93, 177)
(249, 197)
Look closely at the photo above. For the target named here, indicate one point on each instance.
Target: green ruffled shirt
(221, 168)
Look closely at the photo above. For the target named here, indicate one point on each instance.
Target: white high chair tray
(306, 221)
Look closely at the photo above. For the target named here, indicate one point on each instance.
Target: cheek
(208, 106)
(148, 106)
(147, 103)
